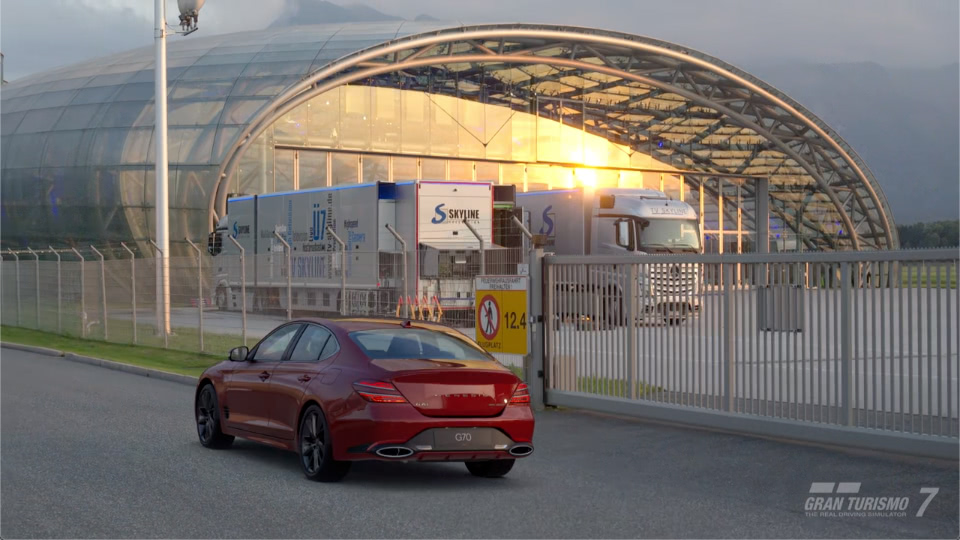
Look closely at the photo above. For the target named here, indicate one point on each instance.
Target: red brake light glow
(378, 392)
(521, 396)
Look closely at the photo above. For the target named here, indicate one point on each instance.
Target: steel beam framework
(681, 107)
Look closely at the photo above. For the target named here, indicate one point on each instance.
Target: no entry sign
(501, 313)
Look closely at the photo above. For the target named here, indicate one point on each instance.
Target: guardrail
(852, 348)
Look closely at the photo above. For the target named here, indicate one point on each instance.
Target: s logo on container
(547, 222)
(440, 216)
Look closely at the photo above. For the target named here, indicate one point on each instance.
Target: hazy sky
(36, 35)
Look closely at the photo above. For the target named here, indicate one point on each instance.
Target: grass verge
(173, 361)
(613, 387)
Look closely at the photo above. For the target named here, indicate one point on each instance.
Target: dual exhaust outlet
(400, 452)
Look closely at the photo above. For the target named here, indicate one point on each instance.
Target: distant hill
(904, 123)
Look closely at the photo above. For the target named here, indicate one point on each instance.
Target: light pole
(188, 21)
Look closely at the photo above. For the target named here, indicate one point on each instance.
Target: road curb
(129, 368)
(109, 364)
(30, 348)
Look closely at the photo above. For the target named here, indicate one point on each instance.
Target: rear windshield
(402, 343)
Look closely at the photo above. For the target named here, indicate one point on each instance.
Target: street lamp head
(189, 13)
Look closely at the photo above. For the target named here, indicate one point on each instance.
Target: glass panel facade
(461, 170)
(345, 169)
(313, 169)
(78, 143)
(405, 169)
(488, 172)
(433, 169)
(375, 168)
(284, 170)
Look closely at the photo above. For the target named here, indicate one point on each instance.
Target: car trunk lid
(450, 388)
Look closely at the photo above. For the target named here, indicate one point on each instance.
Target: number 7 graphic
(932, 493)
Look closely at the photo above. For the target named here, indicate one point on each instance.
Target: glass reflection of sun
(586, 177)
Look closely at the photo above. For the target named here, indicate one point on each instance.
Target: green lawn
(170, 360)
(121, 331)
(612, 387)
(914, 276)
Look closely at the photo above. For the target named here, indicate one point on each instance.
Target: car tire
(315, 448)
(490, 469)
(207, 412)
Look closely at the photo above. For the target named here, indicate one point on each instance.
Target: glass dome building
(537, 106)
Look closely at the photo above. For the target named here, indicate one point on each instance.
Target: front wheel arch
(203, 382)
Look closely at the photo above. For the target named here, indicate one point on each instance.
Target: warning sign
(489, 317)
(501, 313)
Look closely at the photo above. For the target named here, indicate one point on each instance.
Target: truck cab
(643, 221)
(621, 222)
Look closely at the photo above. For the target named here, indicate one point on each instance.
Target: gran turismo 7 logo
(843, 499)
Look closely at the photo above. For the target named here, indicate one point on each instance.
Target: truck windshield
(670, 234)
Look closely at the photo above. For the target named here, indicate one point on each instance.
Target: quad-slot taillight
(521, 396)
(378, 392)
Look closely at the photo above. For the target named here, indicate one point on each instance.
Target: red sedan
(360, 389)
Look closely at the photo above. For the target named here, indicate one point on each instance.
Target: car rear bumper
(366, 433)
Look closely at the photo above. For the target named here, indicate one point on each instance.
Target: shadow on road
(380, 474)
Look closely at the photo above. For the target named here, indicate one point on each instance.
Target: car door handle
(303, 378)
(264, 376)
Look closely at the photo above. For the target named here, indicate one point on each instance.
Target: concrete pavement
(88, 451)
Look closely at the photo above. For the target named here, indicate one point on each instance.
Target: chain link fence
(220, 302)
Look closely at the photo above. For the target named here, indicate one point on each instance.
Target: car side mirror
(239, 354)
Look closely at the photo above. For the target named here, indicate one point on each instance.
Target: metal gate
(850, 348)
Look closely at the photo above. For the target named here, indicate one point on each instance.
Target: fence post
(729, 336)
(483, 267)
(199, 291)
(15, 256)
(403, 245)
(161, 327)
(343, 271)
(36, 259)
(133, 289)
(286, 249)
(630, 296)
(846, 346)
(103, 293)
(243, 287)
(534, 367)
(59, 301)
(83, 293)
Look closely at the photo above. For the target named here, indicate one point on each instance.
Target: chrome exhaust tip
(521, 450)
(394, 452)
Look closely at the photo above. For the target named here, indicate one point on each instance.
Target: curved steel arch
(783, 124)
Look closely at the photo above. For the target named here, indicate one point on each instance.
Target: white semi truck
(442, 252)
(619, 221)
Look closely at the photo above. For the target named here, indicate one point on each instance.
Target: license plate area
(447, 439)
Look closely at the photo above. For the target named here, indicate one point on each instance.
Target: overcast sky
(36, 35)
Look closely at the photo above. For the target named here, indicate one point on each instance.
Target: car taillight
(521, 396)
(378, 392)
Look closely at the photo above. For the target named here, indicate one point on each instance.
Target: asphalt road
(87, 452)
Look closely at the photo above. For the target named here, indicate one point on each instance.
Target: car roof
(372, 323)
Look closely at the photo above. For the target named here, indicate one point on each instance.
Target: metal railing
(864, 342)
